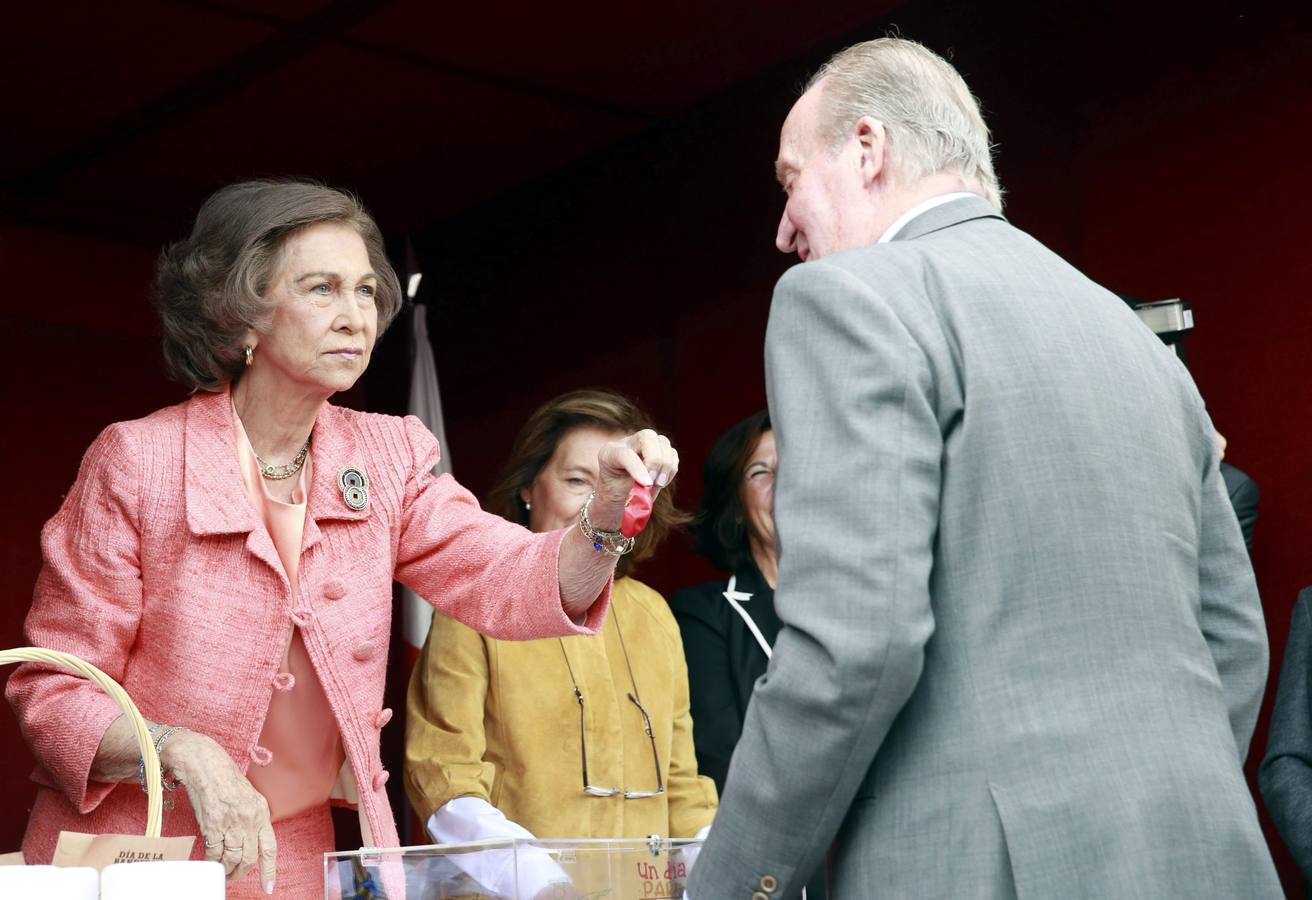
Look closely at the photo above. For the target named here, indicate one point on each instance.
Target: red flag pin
(637, 510)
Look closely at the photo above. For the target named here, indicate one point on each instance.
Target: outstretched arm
(498, 577)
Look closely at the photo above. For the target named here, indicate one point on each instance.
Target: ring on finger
(210, 845)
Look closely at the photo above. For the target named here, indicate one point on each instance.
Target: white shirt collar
(922, 206)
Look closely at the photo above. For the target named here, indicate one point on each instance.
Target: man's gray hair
(933, 122)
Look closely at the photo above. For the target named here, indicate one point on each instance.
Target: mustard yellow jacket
(499, 720)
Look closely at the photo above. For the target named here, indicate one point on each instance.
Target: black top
(1285, 776)
(724, 661)
(1243, 497)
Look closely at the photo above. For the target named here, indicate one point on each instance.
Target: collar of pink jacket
(219, 505)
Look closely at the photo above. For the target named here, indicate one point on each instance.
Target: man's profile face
(826, 199)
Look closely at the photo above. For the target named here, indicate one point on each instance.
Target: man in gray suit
(1011, 664)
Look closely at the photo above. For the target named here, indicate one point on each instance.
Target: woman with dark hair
(497, 734)
(729, 626)
(230, 560)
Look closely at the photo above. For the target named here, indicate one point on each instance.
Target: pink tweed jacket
(157, 571)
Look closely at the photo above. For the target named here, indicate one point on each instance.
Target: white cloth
(690, 853)
(465, 819)
(923, 206)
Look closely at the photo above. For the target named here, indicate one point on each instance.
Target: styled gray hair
(933, 122)
(210, 288)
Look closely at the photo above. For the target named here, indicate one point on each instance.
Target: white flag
(426, 403)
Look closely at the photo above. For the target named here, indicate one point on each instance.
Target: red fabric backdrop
(649, 269)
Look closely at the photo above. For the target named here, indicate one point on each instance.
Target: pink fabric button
(260, 756)
(301, 617)
(284, 681)
(334, 590)
(381, 779)
(364, 652)
(384, 716)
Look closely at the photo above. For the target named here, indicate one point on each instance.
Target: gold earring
(250, 354)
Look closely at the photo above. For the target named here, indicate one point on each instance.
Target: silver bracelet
(169, 783)
(612, 542)
(161, 733)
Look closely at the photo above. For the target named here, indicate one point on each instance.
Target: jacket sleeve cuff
(69, 761)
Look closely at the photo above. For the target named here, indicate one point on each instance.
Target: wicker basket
(154, 790)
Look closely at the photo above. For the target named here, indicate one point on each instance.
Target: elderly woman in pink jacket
(230, 560)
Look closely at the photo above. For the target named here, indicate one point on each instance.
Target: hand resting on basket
(232, 816)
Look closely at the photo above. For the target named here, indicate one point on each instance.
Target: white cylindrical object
(195, 880)
(50, 882)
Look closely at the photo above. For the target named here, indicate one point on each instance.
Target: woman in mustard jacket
(580, 737)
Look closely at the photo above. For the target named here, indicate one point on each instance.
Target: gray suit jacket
(1010, 664)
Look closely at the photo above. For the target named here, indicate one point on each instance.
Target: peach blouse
(304, 745)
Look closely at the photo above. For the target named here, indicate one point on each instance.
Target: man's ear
(872, 140)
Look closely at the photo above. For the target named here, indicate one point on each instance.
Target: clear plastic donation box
(642, 869)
